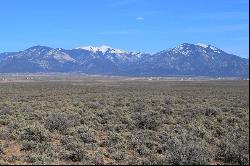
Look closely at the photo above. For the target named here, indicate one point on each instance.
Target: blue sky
(136, 25)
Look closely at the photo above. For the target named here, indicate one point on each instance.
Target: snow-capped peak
(209, 46)
(183, 49)
(103, 49)
(203, 45)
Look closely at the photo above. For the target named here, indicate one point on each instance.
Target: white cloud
(140, 18)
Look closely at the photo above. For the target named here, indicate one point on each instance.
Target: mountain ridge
(185, 59)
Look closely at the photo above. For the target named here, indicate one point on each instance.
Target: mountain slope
(185, 59)
(202, 60)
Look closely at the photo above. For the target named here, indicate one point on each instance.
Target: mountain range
(183, 60)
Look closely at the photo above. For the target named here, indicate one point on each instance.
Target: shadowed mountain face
(185, 59)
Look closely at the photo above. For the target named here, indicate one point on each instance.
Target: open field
(119, 120)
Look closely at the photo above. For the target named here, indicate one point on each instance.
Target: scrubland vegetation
(124, 122)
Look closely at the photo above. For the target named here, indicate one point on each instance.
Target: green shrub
(86, 134)
(1, 149)
(234, 149)
(147, 120)
(6, 111)
(184, 148)
(76, 155)
(38, 159)
(35, 133)
(28, 145)
(57, 122)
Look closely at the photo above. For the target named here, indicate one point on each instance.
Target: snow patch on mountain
(215, 49)
(203, 45)
(137, 54)
(181, 49)
(61, 56)
(103, 49)
(210, 47)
